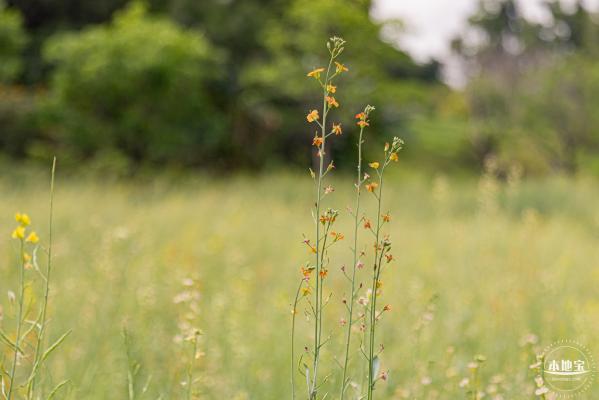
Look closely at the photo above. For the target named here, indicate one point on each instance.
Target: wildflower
(337, 236)
(360, 265)
(331, 88)
(371, 187)
(32, 238)
(340, 68)
(331, 101)
(317, 141)
(342, 322)
(367, 224)
(387, 308)
(386, 217)
(393, 157)
(22, 219)
(379, 284)
(362, 120)
(389, 257)
(323, 273)
(26, 257)
(337, 129)
(306, 291)
(374, 165)
(315, 73)
(384, 375)
(306, 272)
(19, 232)
(312, 116)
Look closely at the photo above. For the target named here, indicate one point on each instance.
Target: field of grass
(481, 266)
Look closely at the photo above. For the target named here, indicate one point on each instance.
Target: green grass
(482, 265)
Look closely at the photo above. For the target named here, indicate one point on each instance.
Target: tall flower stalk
(314, 273)
(39, 344)
(28, 241)
(324, 220)
(382, 256)
(363, 122)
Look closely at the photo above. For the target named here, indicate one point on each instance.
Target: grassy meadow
(483, 267)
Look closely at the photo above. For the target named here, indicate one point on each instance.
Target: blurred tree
(12, 43)
(42, 18)
(514, 95)
(113, 88)
(275, 85)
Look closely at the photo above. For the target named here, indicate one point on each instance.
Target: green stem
(376, 275)
(19, 320)
(190, 367)
(318, 294)
(355, 260)
(42, 329)
(293, 339)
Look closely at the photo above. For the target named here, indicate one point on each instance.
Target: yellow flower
(317, 141)
(26, 257)
(337, 129)
(386, 217)
(306, 291)
(362, 123)
(312, 116)
(19, 233)
(23, 219)
(331, 101)
(340, 67)
(32, 238)
(372, 186)
(331, 88)
(393, 157)
(315, 73)
(374, 165)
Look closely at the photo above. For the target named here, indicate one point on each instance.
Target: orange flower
(312, 116)
(389, 257)
(307, 271)
(317, 141)
(386, 217)
(331, 101)
(331, 88)
(337, 129)
(323, 273)
(387, 308)
(372, 186)
(367, 224)
(337, 236)
(362, 124)
(361, 116)
(315, 73)
(340, 67)
(393, 157)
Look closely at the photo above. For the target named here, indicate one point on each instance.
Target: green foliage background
(221, 84)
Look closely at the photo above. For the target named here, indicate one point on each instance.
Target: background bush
(140, 85)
